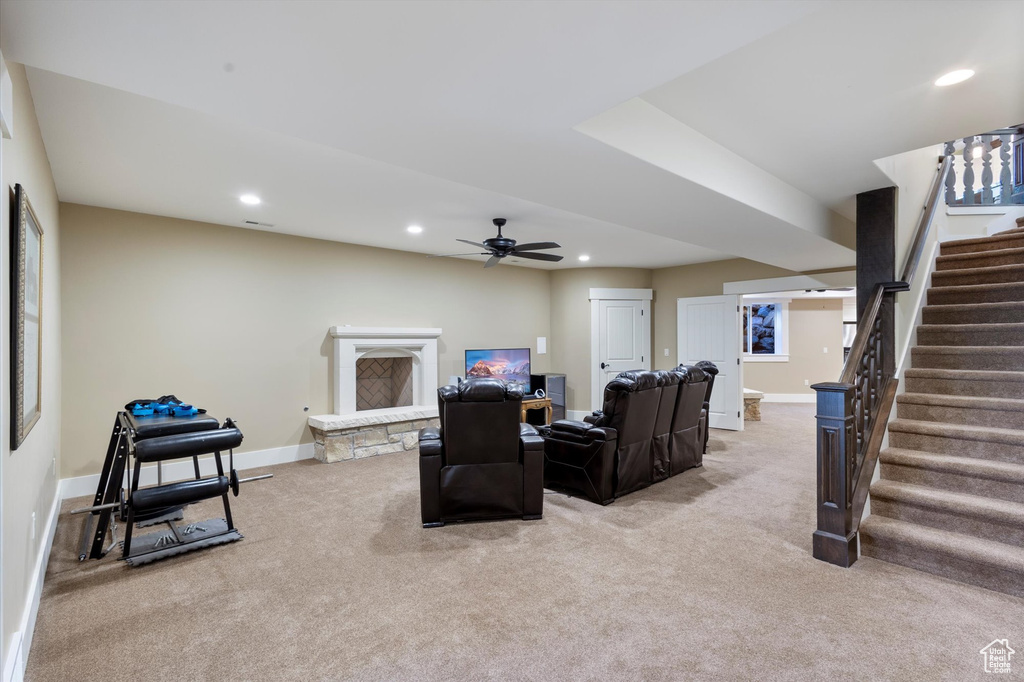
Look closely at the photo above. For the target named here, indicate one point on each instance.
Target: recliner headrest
(694, 374)
(481, 390)
(668, 378)
(707, 367)
(637, 380)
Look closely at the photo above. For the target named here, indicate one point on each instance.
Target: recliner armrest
(430, 442)
(582, 430)
(596, 418)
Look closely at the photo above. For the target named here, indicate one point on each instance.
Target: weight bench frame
(113, 503)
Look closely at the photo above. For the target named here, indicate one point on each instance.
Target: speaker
(553, 386)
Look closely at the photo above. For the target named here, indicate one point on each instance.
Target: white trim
(180, 470)
(576, 415)
(829, 280)
(347, 331)
(790, 398)
(978, 210)
(910, 340)
(621, 294)
(764, 357)
(21, 641)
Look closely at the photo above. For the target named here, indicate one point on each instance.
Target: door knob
(603, 365)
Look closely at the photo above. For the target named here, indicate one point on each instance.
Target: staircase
(950, 499)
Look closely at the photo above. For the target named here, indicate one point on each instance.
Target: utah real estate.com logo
(997, 656)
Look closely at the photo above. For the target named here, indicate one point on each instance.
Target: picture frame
(26, 317)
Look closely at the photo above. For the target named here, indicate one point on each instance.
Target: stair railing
(853, 412)
(997, 186)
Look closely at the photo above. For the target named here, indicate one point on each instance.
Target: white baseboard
(576, 415)
(182, 469)
(790, 398)
(21, 641)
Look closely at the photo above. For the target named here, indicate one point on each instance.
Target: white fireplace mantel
(352, 343)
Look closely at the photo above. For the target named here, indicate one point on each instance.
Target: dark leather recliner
(711, 369)
(481, 463)
(686, 446)
(661, 443)
(610, 453)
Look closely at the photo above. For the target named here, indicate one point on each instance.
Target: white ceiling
(355, 119)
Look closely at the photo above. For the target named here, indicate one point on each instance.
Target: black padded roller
(174, 494)
(187, 444)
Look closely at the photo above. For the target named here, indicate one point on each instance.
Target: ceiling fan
(501, 247)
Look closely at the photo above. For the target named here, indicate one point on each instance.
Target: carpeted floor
(708, 575)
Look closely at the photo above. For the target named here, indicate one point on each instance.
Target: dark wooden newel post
(843, 405)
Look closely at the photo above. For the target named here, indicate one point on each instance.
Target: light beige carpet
(708, 575)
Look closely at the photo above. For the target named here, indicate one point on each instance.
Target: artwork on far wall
(26, 317)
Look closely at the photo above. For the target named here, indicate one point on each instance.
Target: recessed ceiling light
(584, 258)
(414, 229)
(954, 77)
(250, 199)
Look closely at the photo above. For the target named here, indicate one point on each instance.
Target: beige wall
(814, 324)
(702, 279)
(237, 320)
(570, 322)
(29, 483)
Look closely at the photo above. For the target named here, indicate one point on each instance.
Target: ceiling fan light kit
(500, 247)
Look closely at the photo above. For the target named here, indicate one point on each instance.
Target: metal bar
(95, 508)
(255, 478)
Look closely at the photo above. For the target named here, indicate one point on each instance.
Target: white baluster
(968, 171)
(1005, 176)
(986, 170)
(950, 177)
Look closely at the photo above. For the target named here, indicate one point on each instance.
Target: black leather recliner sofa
(649, 429)
(481, 463)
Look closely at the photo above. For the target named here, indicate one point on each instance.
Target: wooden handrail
(924, 225)
(853, 413)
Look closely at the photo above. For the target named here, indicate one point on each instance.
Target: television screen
(509, 364)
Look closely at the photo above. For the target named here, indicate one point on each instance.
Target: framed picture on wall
(26, 317)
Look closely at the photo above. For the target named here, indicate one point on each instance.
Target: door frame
(603, 294)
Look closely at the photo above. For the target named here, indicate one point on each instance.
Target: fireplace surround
(352, 433)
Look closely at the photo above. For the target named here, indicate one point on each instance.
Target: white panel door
(709, 329)
(622, 343)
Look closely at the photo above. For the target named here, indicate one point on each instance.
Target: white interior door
(709, 329)
(623, 341)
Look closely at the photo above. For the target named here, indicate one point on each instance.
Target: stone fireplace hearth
(384, 382)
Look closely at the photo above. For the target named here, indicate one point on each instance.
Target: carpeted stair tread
(994, 384)
(993, 274)
(959, 504)
(976, 293)
(1012, 437)
(958, 261)
(975, 244)
(964, 374)
(962, 466)
(973, 334)
(880, 531)
(999, 358)
(974, 313)
(962, 401)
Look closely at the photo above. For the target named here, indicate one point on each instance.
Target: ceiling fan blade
(451, 255)
(538, 256)
(492, 261)
(466, 241)
(536, 246)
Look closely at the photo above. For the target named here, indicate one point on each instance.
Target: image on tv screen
(511, 365)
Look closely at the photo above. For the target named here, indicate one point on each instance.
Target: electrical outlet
(826, 350)
(807, 382)
(32, 528)
(666, 352)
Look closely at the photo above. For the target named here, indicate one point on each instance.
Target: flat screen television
(509, 364)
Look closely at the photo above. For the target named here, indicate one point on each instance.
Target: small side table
(536, 404)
